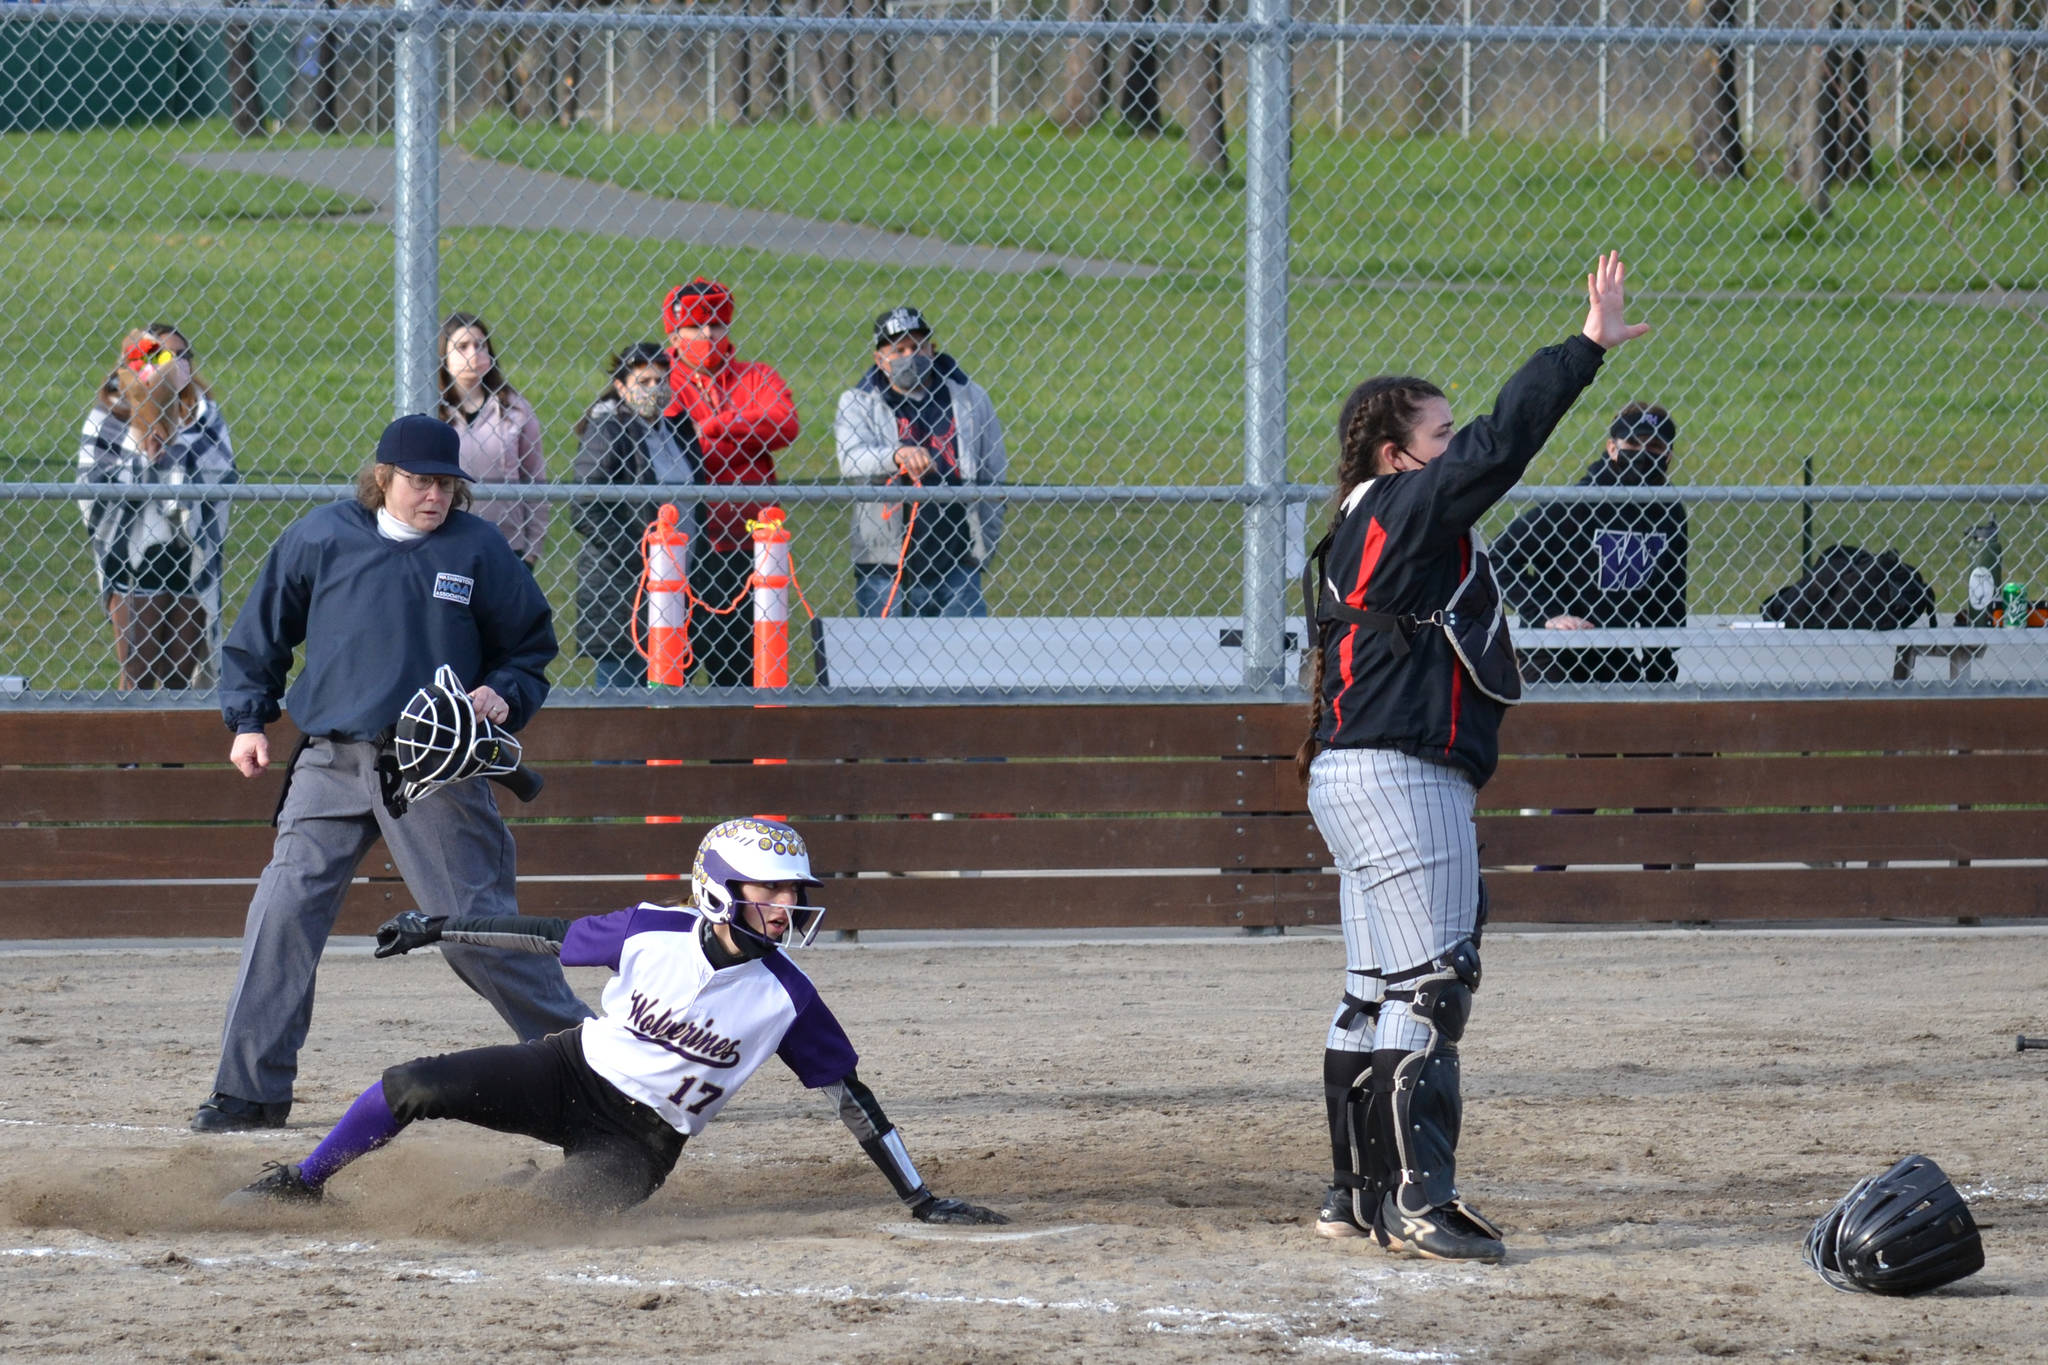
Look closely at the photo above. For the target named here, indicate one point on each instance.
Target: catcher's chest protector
(1476, 621)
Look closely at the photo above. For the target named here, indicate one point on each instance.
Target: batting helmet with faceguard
(766, 852)
(1897, 1233)
(440, 739)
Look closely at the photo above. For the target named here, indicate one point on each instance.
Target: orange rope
(902, 551)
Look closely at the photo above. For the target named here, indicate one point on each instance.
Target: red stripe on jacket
(1457, 668)
(1368, 560)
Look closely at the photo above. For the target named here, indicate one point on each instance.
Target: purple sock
(366, 1126)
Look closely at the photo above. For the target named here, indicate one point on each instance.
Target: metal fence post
(416, 207)
(1268, 145)
(1600, 113)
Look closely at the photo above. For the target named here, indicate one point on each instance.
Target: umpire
(379, 591)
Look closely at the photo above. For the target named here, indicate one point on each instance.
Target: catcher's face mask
(440, 739)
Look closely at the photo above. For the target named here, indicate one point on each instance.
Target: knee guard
(1422, 1102)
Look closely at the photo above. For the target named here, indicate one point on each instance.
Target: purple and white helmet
(754, 850)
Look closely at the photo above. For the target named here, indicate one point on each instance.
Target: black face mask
(1632, 466)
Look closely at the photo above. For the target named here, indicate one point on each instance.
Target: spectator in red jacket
(743, 413)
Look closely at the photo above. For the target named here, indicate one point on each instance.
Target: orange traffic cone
(664, 553)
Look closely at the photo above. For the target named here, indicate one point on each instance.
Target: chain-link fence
(1155, 245)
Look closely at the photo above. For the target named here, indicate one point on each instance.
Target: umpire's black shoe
(1338, 1216)
(231, 1114)
(1449, 1232)
(281, 1184)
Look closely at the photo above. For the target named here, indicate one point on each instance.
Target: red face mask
(706, 354)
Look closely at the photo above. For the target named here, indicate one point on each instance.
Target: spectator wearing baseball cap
(741, 412)
(916, 419)
(1579, 565)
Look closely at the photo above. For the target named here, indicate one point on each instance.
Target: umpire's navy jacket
(1401, 548)
(377, 617)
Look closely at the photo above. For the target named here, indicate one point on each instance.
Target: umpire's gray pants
(1407, 853)
(457, 859)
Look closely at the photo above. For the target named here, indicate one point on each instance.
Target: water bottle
(1988, 573)
(2016, 606)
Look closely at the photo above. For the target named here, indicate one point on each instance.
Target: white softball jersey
(681, 1036)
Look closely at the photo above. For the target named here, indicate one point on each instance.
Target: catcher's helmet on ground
(761, 851)
(441, 739)
(1897, 1233)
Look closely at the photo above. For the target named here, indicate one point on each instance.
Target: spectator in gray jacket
(916, 419)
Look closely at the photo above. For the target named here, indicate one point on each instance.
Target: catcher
(701, 999)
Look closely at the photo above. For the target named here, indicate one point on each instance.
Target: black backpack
(1849, 588)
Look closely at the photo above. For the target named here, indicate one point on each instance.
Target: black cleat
(281, 1184)
(1449, 1232)
(1337, 1217)
(223, 1113)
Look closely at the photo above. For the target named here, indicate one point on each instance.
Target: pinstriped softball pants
(1407, 854)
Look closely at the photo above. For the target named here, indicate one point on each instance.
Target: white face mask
(646, 402)
(909, 372)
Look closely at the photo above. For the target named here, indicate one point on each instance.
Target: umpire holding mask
(1580, 565)
(378, 591)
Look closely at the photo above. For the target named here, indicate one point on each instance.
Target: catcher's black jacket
(377, 617)
(1401, 548)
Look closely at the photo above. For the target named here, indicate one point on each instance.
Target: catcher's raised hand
(403, 933)
(1606, 304)
(932, 1209)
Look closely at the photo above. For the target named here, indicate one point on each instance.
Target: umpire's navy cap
(419, 444)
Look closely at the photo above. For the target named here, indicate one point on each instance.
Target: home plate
(945, 1233)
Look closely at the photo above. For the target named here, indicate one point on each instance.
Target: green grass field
(1777, 340)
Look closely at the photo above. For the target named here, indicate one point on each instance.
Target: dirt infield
(1656, 1119)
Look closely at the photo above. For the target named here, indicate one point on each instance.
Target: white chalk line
(107, 1127)
(2031, 1193)
(1168, 1318)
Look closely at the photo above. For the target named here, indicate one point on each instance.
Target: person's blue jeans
(956, 592)
(621, 672)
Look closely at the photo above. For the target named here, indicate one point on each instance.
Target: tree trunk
(245, 95)
(1208, 148)
(1087, 71)
(1430, 75)
(2010, 152)
(323, 119)
(1717, 150)
(779, 66)
(1833, 140)
(828, 70)
(743, 78)
(1137, 93)
(864, 63)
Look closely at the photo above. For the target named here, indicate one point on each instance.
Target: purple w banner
(1627, 558)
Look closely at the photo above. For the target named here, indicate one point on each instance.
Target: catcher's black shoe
(224, 1113)
(1336, 1217)
(1449, 1232)
(281, 1184)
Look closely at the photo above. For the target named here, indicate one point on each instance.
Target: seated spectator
(623, 439)
(158, 562)
(741, 412)
(915, 418)
(1581, 565)
(500, 434)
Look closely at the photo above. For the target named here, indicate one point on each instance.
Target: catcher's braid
(1381, 409)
